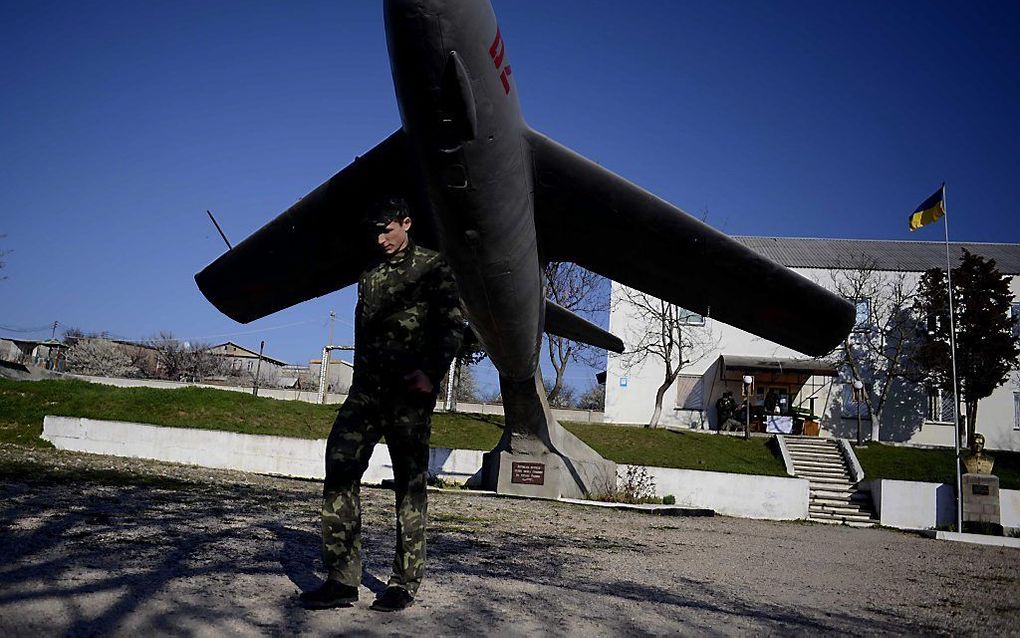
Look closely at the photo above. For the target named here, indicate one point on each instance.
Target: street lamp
(858, 388)
(748, 382)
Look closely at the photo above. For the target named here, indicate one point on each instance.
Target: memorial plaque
(527, 473)
(981, 489)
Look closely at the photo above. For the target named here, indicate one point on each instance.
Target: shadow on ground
(99, 557)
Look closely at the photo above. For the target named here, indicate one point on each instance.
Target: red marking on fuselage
(497, 51)
(506, 81)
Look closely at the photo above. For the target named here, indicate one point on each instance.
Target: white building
(50, 354)
(340, 374)
(813, 386)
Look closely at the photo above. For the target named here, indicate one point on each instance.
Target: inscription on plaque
(980, 489)
(528, 473)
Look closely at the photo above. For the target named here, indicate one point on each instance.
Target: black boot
(393, 599)
(332, 593)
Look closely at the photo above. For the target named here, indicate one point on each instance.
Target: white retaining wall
(740, 495)
(917, 505)
(1009, 508)
(743, 495)
(902, 504)
(284, 456)
(913, 504)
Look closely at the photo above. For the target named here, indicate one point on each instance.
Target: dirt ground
(93, 545)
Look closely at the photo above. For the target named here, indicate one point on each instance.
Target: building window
(940, 406)
(862, 312)
(689, 318)
(251, 365)
(1014, 312)
(849, 404)
(1016, 410)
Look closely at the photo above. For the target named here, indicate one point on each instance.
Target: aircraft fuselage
(468, 139)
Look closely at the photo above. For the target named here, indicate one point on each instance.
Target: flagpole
(952, 351)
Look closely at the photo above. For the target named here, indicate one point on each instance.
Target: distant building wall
(242, 361)
(340, 377)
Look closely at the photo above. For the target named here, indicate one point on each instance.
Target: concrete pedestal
(981, 499)
(537, 456)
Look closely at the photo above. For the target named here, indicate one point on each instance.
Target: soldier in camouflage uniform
(408, 327)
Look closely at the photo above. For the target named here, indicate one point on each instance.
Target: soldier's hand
(418, 382)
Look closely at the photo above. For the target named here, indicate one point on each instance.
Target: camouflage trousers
(365, 417)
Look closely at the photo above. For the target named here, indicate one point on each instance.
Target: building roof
(242, 353)
(908, 256)
(52, 343)
(134, 344)
(33, 342)
(738, 363)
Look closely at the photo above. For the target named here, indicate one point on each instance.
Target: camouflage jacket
(408, 318)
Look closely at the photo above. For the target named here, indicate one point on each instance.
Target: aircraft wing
(590, 216)
(319, 244)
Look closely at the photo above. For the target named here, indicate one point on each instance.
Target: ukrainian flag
(930, 210)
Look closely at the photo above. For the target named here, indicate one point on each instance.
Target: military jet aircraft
(500, 200)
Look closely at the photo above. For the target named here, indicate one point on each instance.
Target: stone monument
(980, 486)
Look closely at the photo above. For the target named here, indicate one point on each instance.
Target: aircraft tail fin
(561, 322)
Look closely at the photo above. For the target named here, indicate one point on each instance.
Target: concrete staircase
(835, 499)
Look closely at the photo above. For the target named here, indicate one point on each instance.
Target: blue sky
(122, 122)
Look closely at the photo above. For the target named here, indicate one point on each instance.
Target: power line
(255, 331)
(39, 329)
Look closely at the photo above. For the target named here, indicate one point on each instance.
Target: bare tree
(493, 397)
(594, 398)
(73, 334)
(201, 363)
(180, 360)
(142, 357)
(581, 292)
(879, 350)
(171, 355)
(464, 383)
(666, 333)
(99, 357)
(563, 399)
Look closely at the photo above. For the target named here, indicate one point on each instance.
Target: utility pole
(258, 370)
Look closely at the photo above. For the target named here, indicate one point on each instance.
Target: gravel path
(93, 545)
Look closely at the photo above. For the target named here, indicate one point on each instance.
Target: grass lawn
(23, 404)
(932, 466)
(688, 450)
